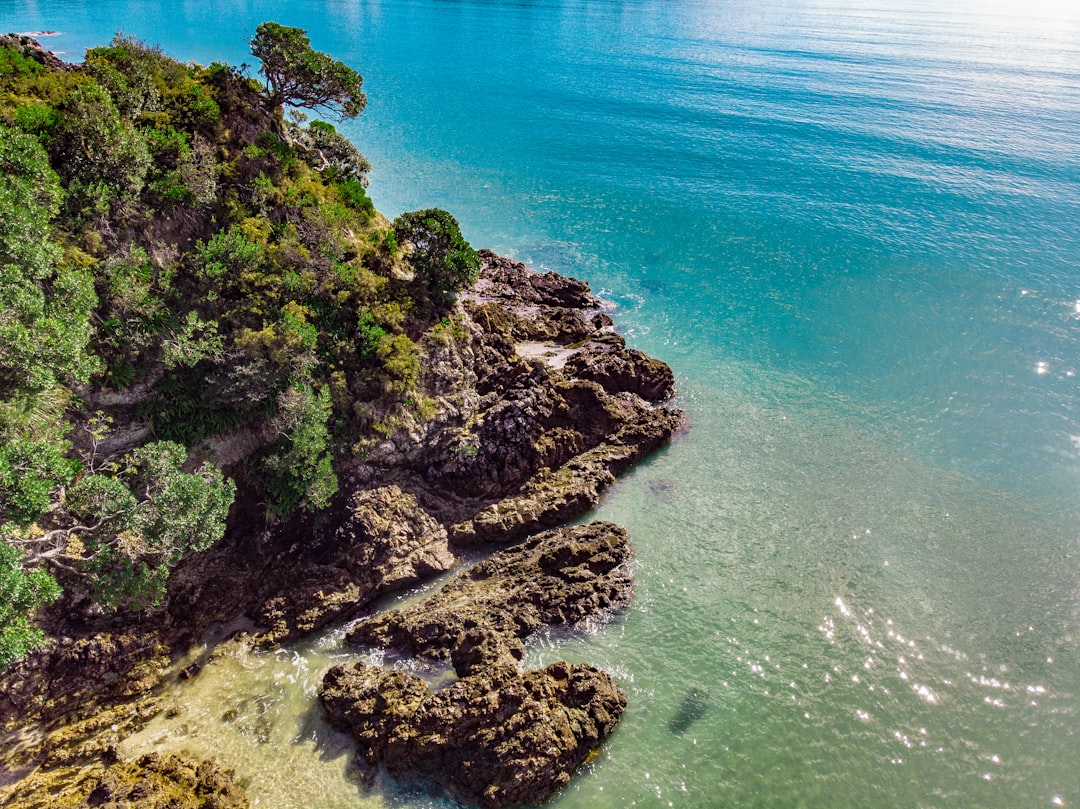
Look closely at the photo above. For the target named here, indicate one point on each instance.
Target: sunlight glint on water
(851, 229)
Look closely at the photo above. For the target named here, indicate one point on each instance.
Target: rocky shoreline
(535, 404)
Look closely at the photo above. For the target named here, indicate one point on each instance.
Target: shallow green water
(851, 229)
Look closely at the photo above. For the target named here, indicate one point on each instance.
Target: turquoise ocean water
(852, 229)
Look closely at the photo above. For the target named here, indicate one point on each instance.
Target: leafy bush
(15, 63)
(44, 306)
(101, 155)
(29, 473)
(21, 592)
(354, 195)
(300, 467)
(333, 154)
(444, 262)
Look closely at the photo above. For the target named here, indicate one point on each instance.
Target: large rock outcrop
(497, 738)
(481, 617)
(386, 541)
(617, 369)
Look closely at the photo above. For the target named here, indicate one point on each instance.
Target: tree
(140, 522)
(21, 592)
(299, 76)
(123, 528)
(102, 156)
(443, 261)
(44, 306)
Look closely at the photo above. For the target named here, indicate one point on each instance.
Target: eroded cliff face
(534, 405)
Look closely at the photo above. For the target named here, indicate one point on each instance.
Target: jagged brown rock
(385, 542)
(79, 676)
(554, 495)
(150, 782)
(370, 702)
(619, 369)
(497, 738)
(481, 617)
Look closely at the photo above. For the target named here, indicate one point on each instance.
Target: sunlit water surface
(851, 228)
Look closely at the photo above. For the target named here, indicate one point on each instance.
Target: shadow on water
(693, 706)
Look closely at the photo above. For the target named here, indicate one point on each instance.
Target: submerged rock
(496, 738)
(481, 617)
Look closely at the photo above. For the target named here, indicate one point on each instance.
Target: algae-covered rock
(554, 495)
(386, 541)
(480, 618)
(150, 782)
(80, 675)
(619, 369)
(370, 702)
(497, 738)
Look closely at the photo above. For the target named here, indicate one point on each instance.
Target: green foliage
(354, 195)
(368, 334)
(387, 242)
(142, 79)
(36, 119)
(333, 154)
(287, 347)
(172, 251)
(144, 518)
(401, 363)
(44, 306)
(29, 195)
(226, 259)
(102, 157)
(125, 70)
(21, 592)
(29, 473)
(302, 77)
(183, 173)
(444, 262)
(25, 80)
(186, 408)
(15, 63)
(300, 467)
(191, 343)
(284, 154)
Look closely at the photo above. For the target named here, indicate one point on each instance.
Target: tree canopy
(441, 258)
(300, 76)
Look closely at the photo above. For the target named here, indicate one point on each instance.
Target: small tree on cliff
(299, 76)
(443, 261)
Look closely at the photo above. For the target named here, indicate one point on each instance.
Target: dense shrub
(444, 262)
